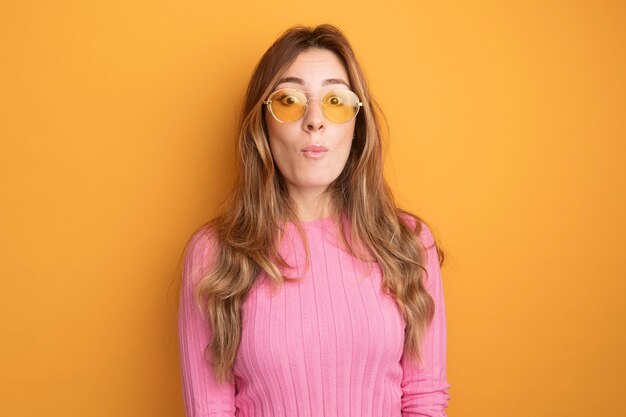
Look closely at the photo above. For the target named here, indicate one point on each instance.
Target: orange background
(508, 127)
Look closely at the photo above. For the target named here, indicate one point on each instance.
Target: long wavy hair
(248, 231)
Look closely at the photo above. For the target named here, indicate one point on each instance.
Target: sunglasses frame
(268, 103)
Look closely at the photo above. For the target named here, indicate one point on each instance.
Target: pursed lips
(314, 151)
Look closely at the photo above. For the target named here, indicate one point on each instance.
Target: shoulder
(202, 238)
(419, 227)
(432, 252)
(200, 251)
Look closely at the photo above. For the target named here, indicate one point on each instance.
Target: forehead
(314, 66)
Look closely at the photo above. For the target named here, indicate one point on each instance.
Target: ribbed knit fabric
(329, 345)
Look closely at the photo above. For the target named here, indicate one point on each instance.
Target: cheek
(346, 143)
(279, 151)
(274, 134)
(280, 145)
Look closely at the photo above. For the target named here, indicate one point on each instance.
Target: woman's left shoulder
(418, 226)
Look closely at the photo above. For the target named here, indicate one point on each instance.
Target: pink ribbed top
(329, 345)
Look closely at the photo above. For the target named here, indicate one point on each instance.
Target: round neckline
(322, 222)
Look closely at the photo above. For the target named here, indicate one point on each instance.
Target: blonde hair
(248, 232)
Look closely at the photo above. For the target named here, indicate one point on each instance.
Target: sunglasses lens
(288, 104)
(340, 106)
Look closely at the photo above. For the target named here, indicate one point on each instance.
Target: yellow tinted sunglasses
(289, 104)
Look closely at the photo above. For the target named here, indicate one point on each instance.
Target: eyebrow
(326, 82)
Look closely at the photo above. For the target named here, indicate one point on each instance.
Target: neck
(310, 204)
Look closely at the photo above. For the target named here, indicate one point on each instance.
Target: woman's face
(311, 152)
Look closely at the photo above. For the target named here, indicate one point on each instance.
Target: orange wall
(508, 135)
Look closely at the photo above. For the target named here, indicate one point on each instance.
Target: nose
(313, 117)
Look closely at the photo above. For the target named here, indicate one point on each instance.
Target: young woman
(312, 294)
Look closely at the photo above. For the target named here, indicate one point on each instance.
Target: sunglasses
(288, 105)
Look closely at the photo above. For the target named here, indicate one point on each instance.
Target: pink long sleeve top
(329, 345)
